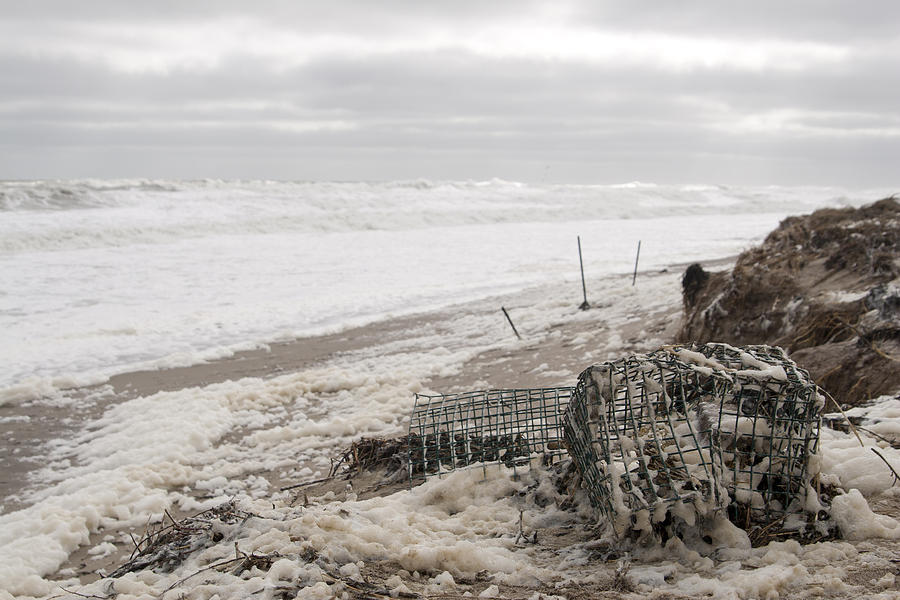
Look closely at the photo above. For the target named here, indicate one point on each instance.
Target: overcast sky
(761, 92)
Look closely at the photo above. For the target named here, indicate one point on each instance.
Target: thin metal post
(636, 258)
(511, 323)
(584, 305)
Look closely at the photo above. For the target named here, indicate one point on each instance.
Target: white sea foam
(102, 277)
(148, 454)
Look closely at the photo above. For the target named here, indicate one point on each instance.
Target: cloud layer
(800, 92)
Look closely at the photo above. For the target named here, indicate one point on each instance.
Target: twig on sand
(880, 437)
(305, 483)
(74, 593)
(872, 344)
(882, 353)
(203, 570)
(849, 422)
(171, 543)
(145, 538)
(244, 561)
(365, 593)
(896, 475)
(764, 535)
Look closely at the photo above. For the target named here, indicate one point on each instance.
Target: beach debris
(665, 439)
(164, 548)
(509, 319)
(509, 426)
(367, 454)
(659, 442)
(584, 305)
(636, 259)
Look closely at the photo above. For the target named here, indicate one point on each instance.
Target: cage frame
(595, 424)
(510, 426)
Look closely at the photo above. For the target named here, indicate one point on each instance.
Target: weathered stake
(584, 305)
(636, 258)
(511, 323)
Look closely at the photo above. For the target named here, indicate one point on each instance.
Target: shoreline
(138, 379)
(462, 347)
(31, 425)
(273, 358)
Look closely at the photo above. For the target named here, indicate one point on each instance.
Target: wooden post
(584, 305)
(511, 323)
(636, 258)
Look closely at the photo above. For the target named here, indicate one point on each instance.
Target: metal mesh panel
(700, 428)
(636, 445)
(767, 427)
(478, 428)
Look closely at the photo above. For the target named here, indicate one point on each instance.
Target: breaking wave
(59, 215)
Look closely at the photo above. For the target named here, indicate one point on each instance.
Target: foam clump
(857, 521)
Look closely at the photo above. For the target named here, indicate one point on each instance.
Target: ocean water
(102, 277)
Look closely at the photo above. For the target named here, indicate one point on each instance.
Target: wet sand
(29, 427)
(550, 357)
(540, 360)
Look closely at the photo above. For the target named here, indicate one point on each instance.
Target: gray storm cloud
(592, 92)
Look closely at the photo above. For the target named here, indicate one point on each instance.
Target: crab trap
(683, 432)
(510, 427)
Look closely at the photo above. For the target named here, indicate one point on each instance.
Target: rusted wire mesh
(684, 432)
(512, 427)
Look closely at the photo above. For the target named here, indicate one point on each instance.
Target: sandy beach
(554, 348)
(393, 360)
(550, 353)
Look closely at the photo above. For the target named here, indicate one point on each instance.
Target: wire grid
(653, 430)
(767, 428)
(628, 431)
(509, 426)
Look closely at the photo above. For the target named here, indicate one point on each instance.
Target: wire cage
(686, 431)
(509, 426)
